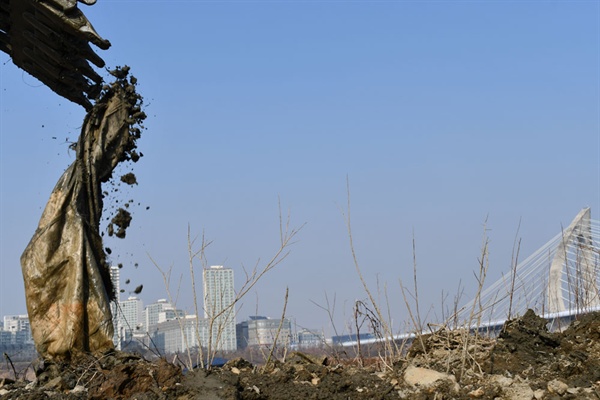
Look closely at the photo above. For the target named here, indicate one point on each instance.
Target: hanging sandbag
(67, 280)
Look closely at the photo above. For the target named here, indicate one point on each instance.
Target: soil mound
(524, 343)
(525, 362)
(525, 347)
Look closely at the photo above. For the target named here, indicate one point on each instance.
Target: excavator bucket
(50, 39)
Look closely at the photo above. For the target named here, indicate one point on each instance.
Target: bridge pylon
(561, 278)
(578, 280)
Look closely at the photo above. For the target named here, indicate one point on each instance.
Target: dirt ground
(524, 362)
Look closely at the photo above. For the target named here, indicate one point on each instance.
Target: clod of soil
(122, 221)
(129, 178)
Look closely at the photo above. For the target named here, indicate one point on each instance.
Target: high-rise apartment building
(130, 317)
(19, 327)
(16, 323)
(219, 298)
(158, 312)
(152, 312)
(115, 277)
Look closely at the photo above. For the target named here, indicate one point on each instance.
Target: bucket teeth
(50, 39)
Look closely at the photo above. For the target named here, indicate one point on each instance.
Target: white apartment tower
(152, 313)
(18, 325)
(115, 276)
(130, 317)
(219, 298)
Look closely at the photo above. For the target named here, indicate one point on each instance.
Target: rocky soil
(524, 362)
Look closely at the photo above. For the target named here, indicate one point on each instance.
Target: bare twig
(347, 217)
(514, 260)
(8, 360)
(278, 328)
(166, 275)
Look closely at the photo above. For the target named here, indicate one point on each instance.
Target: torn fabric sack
(67, 279)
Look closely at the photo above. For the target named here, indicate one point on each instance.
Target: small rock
(79, 389)
(502, 381)
(518, 391)
(235, 370)
(558, 387)
(4, 391)
(477, 393)
(298, 367)
(417, 376)
(238, 363)
(6, 381)
(315, 381)
(30, 386)
(427, 378)
(539, 394)
(573, 390)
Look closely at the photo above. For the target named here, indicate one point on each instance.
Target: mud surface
(528, 349)
(524, 362)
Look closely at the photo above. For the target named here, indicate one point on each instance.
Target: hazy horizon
(443, 116)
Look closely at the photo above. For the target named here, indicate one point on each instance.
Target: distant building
(219, 298)
(115, 278)
(262, 331)
(152, 313)
(310, 339)
(16, 339)
(241, 333)
(18, 326)
(130, 318)
(115, 275)
(179, 334)
(338, 340)
(6, 338)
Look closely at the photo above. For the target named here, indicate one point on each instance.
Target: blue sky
(441, 114)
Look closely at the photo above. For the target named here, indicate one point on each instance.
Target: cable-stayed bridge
(558, 281)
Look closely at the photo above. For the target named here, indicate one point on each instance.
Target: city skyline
(165, 329)
(448, 120)
(133, 312)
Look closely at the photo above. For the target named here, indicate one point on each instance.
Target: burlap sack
(67, 279)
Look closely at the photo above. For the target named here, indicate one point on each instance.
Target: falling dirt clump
(129, 179)
(121, 221)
